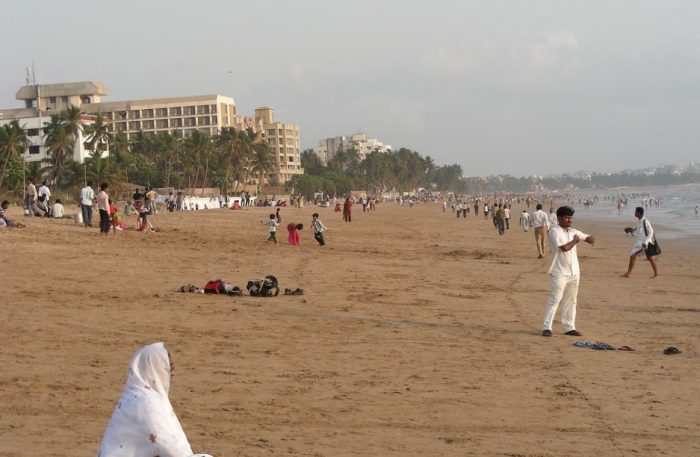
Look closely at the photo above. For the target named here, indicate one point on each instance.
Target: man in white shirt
(87, 195)
(540, 222)
(44, 190)
(58, 211)
(552, 217)
(645, 235)
(564, 272)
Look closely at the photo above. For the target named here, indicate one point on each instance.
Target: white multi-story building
(360, 142)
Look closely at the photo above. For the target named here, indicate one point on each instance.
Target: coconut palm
(13, 143)
(60, 149)
(71, 118)
(97, 135)
(102, 169)
(199, 145)
(262, 161)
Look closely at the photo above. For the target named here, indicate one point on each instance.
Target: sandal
(671, 350)
(298, 291)
(288, 292)
(625, 348)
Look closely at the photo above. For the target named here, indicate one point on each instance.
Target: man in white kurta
(564, 272)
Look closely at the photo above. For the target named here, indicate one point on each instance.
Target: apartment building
(178, 115)
(360, 142)
(283, 139)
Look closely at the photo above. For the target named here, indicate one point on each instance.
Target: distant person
(137, 198)
(294, 237)
(87, 195)
(30, 197)
(103, 208)
(272, 228)
(500, 219)
(4, 221)
(525, 220)
(506, 210)
(540, 222)
(278, 216)
(318, 229)
(347, 210)
(44, 190)
(645, 235)
(57, 210)
(151, 197)
(552, 217)
(143, 422)
(564, 272)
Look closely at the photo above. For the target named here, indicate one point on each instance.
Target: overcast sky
(517, 87)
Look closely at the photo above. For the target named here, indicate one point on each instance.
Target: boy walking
(318, 229)
(272, 227)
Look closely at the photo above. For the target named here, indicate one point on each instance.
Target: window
(270, 132)
(190, 122)
(33, 132)
(64, 100)
(176, 122)
(203, 109)
(189, 110)
(176, 111)
(290, 159)
(52, 100)
(162, 123)
(134, 114)
(204, 120)
(147, 113)
(214, 120)
(148, 124)
(161, 112)
(34, 149)
(135, 125)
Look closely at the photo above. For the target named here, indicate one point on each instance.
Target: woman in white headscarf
(143, 422)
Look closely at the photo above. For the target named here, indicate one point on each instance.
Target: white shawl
(143, 423)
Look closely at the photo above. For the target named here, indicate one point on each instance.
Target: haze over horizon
(500, 87)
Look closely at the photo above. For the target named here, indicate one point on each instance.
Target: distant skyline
(500, 87)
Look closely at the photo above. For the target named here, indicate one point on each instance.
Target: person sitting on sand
(57, 210)
(4, 221)
(129, 209)
(144, 422)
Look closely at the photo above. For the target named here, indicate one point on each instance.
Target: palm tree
(97, 135)
(102, 169)
(13, 143)
(71, 119)
(262, 162)
(60, 149)
(199, 144)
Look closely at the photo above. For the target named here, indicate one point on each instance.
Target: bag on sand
(267, 287)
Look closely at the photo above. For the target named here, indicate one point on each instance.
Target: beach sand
(418, 335)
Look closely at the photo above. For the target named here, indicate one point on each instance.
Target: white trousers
(564, 293)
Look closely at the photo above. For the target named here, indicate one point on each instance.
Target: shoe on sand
(573, 333)
(546, 333)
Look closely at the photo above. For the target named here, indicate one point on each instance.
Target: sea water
(676, 209)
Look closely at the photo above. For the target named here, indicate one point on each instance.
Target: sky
(500, 87)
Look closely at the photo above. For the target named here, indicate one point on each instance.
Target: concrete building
(177, 115)
(360, 142)
(38, 150)
(283, 139)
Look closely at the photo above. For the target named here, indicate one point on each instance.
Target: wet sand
(418, 334)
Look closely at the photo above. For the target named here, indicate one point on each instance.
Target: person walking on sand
(30, 197)
(347, 210)
(525, 220)
(318, 229)
(645, 235)
(272, 228)
(564, 272)
(540, 222)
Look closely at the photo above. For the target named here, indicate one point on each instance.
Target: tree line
(226, 160)
(401, 171)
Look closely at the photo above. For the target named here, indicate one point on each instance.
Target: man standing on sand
(87, 195)
(645, 235)
(564, 272)
(347, 210)
(30, 197)
(541, 223)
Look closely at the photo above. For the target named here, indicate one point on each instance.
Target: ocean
(676, 209)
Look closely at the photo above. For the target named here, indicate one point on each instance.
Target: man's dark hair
(639, 210)
(539, 206)
(565, 211)
(314, 215)
(4, 202)
(103, 186)
(89, 183)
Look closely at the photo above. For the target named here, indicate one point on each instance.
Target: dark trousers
(272, 237)
(87, 214)
(319, 238)
(104, 221)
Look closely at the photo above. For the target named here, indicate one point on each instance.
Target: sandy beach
(418, 335)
